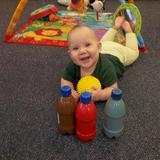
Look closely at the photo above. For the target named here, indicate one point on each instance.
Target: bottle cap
(85, 97)
(116, 94)
(65, 91)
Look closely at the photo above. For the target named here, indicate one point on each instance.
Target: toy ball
(86, 84)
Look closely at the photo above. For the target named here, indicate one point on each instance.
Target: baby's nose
(82, 50)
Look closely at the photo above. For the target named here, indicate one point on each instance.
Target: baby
(104, 60)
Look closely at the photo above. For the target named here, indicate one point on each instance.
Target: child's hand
(96, 93)
(118, 22)
(75, 95)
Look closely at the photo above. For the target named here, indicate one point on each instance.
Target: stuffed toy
(67, 2)
(64, 2)
(79, 5)
(93, 1)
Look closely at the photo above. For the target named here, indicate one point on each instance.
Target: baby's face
(84, 48)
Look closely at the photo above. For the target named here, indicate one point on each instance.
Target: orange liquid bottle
(65, 111)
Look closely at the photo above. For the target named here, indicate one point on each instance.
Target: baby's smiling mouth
(84, 58)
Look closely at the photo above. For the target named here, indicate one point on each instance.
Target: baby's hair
(78, 27)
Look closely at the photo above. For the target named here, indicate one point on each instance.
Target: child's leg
(127, 54)
(130, 50)
(109, 35)
(131, 43)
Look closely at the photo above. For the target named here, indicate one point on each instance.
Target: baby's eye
(75, 48)
(88, 44)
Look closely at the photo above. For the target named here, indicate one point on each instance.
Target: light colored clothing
(127, 54)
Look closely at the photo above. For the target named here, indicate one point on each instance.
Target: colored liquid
(65, 115)
(86, 121)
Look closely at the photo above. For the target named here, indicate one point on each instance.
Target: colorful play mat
(45, 32)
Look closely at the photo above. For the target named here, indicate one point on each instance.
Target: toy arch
(15, 18)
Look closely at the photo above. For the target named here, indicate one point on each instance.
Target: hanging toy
(78, 5)
(97, 6)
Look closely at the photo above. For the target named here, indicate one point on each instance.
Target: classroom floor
(29, 88)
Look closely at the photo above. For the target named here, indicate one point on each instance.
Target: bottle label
(58, 118)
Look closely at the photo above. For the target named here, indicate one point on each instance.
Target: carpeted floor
(29, 87)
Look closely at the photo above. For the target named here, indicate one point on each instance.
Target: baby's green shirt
(108, 70)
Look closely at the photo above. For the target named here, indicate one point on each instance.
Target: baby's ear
(68, 51)
(99, 45)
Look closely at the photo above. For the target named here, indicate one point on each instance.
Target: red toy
(86, 118)
(49, 10)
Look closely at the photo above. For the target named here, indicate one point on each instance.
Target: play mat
(45, 32)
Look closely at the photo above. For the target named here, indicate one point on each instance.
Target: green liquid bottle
(114, 111)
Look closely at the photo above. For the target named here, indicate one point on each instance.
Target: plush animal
(93, 1)
(64, 2)
(79, 5)
(97, 5)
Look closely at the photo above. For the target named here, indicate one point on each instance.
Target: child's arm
(70, 84)
(103, 94)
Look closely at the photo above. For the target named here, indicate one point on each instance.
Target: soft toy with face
(91, 2)
(64, 2)
(97, 5)
(79, 5)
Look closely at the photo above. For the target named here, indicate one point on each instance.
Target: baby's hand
(118, 22)
(75, 95)
(96, 93)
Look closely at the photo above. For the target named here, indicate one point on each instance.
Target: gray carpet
(29, 87)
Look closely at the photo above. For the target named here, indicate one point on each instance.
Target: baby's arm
(70, 84)
(103, 94)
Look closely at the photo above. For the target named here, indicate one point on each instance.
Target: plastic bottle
(65, 111)
(86, 118)
(114, 114)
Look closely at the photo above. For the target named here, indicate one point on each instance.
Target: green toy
(135, 11)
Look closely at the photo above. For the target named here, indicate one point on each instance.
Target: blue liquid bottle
(114, 111)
